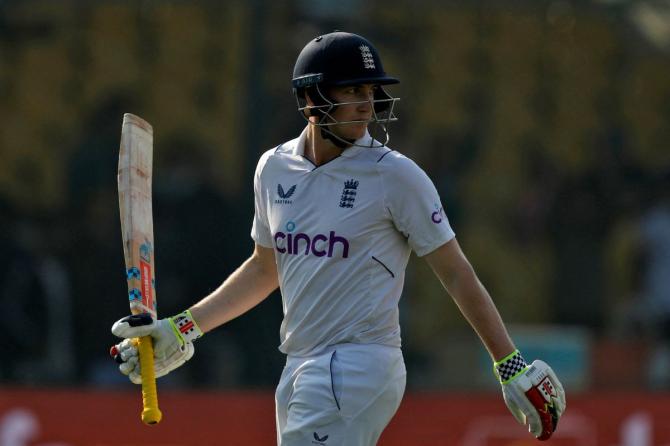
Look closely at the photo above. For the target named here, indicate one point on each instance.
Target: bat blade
(135, 172)
(134, 181)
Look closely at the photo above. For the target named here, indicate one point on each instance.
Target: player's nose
(365, 105)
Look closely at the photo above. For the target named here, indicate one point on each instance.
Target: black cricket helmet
(341, 59)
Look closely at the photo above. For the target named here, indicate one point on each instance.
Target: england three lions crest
(349, 194)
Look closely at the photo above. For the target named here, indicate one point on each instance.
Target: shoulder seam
(267, 156)
(382, 157)
(383, 184)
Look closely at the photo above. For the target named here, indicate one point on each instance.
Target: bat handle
(151, 414)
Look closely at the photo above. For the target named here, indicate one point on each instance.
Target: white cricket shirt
(342, 234)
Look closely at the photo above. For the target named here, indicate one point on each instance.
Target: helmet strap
(339, 142)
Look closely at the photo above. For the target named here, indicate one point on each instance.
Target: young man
(336, 216)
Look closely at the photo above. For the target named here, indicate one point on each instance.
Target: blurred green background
(544, 125)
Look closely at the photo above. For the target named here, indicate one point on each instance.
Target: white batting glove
(532, 393)
(172, 338)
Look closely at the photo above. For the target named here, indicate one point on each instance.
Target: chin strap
(339, 142)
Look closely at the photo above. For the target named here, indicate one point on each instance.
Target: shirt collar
(365, 141)
(299, 147)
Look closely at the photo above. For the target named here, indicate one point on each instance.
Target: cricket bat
(135, 167)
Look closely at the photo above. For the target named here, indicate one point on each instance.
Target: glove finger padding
(128, 367)
(513, 406)
(168, 359)
(535, 397)
(125, 350)
(134, 326)
(162, 366)
(172, 341)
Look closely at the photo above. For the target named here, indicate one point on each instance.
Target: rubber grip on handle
(151, 414)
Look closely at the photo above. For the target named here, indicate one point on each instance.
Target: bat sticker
(147, 284)
(145, 252)
(134, 294)
(133, 273)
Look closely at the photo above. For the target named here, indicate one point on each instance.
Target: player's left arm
(532, 392)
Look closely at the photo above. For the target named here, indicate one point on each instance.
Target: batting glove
(532, 393)
(173, 342)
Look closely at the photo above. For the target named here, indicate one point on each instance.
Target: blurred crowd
(544, 127)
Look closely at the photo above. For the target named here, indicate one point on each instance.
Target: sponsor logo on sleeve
(437, 215)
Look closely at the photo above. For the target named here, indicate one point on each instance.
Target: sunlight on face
(360, 108)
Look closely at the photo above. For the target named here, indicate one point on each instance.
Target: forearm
(478, 308)
(245, 288)
(460, 280)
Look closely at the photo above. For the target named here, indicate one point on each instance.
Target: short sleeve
(260, 229)
(414, 204)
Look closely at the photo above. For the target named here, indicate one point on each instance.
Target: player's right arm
(245, 288)
(173, 337)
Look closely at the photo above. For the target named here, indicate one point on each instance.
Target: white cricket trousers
(343, 397)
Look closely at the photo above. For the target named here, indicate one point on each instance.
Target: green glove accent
(510, 367)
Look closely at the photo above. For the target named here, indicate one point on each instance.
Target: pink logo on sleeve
(436, 216)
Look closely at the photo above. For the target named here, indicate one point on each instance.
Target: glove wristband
(510, 367)
(185, 327)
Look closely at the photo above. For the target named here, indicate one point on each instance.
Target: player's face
(361, 110)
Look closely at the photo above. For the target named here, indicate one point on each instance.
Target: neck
(319, 150)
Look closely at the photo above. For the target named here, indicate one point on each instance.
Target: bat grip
(151, 414)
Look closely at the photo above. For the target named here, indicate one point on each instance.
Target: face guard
(382, 104)
(342, 59)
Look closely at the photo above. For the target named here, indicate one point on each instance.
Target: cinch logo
(437, 215)
(302, 244)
